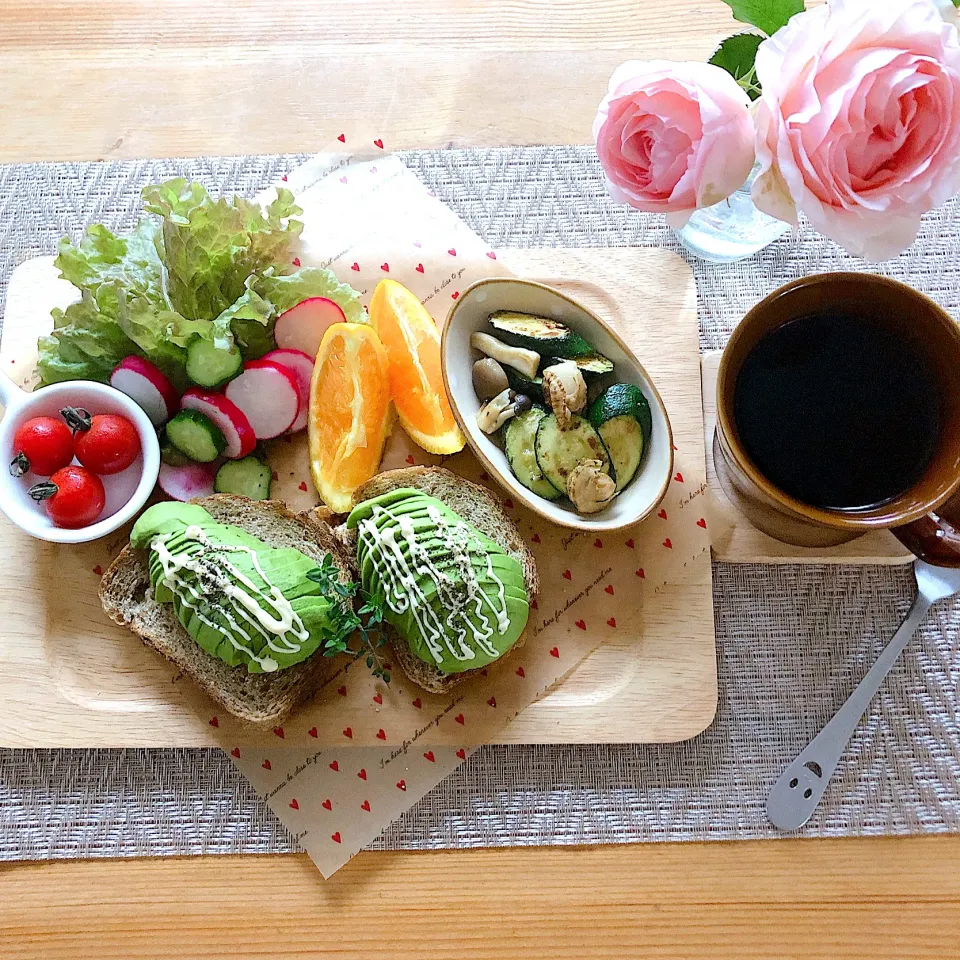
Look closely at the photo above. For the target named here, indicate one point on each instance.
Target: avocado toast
(506, 572)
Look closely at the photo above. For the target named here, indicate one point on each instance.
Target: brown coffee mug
(926, 517)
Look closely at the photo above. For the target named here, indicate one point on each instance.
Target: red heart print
(521, 673)
(335, 837)
(98, 570)
(662, 514)
(492, 701)
(378, 697)
(348, 732)
(641, 574)
(401, 784)
(459, 719)
(452, 251)
(462, 754)
(508, 503)
(362, 774)
(214, 722)
(278, 732)
(343, 179)
(679, 477)
(612, 622)
(419, 268)
(668, 543)
(631, 543)
(296, 261)
(313, 732)
(294, 805)
(342, 138)
(284, 178)
(555, 652)
(608, 589)
(567, 575)
(381, 735)
(334, 766)
(582, 624)
(410, 459)
(429, 756)
(418, 703)
(536, 538)
(365, 805)
(385, 267)
(373, 169)
(491, 255)
(342, 691)
(355, 266)
(235, 752)
(378, 143)
(303, 485)
(327, 804)
(702, 523)
(266, 765)
(598, 543)
(455, 294)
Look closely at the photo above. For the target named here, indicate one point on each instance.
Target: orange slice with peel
(412, 342)
(349, 417)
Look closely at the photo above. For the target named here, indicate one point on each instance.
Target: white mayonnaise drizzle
(217, 583)
(456, 595)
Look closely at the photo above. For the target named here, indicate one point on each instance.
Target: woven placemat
(792, 641)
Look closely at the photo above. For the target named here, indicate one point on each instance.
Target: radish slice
(144, 383)
(300, 366)
(302, 327)
(185, 483)
(268, 395)
(226, 415)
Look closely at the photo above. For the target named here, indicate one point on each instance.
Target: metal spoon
(796, 794)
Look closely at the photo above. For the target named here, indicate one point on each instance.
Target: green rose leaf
(767, 15)
(737, 55)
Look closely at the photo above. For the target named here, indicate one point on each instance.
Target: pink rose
(673, 137)
(859, 122)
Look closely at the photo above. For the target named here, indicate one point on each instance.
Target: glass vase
(731, 230)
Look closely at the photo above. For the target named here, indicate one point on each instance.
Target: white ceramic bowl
(469, 314)
(126, 491)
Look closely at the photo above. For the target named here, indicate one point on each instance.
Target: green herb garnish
(367, 622)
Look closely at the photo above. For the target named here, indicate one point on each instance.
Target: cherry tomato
(109, 445)
(74, 497)
(43, 445)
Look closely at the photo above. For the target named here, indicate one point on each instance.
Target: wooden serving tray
(70, 678)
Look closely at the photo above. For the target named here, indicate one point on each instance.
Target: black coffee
(837, 411)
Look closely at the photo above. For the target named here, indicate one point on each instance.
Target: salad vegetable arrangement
(202, 315)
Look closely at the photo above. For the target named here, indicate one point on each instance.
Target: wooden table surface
(132, 78)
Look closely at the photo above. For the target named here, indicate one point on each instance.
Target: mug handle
(935, 538)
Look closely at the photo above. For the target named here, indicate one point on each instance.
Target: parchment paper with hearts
(353, 760)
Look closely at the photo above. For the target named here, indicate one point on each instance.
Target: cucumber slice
(170, 455)
(623, 438)
(248, 477)
(521, 384)
(549, 338)
(559, 451)
(519, 444)
(196, 435)
(212, 366)
(623, 400)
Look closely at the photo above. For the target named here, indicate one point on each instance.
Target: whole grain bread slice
(477, 505)
(265, 699)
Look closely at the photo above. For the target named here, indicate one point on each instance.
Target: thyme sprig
(365, 622)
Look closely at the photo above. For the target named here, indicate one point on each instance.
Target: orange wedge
(349, 412)
(412, 342)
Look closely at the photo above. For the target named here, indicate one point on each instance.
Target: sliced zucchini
(559, 451)
(623, 400)
(623, 438)
(591, 365)
(549, 338)
(520, 446)
(521, 384)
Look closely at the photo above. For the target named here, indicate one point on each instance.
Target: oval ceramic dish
(126, 491)
(469, 315)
